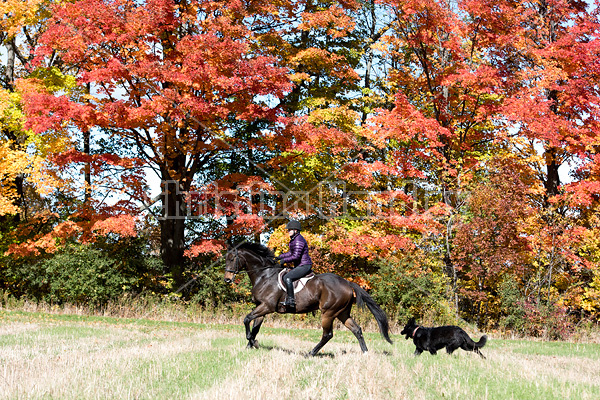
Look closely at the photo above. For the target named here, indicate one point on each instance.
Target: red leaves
(406, 123)
(98, 161)
(370, 246)
(205, 247)
(46, 243)
(121, 225)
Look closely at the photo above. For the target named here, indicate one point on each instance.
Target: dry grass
(52, 362)
(161, 309)
(341, 372)
(45, 355)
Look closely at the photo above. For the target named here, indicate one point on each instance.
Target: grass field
(55, 356)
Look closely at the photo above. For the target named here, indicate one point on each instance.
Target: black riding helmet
(293, 225)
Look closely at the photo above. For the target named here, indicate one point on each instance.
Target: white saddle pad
(298, 285)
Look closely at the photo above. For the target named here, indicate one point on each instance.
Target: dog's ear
(412, 321)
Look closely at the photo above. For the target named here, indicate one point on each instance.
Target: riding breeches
(298, 272)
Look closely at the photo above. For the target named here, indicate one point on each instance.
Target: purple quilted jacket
(298, 253)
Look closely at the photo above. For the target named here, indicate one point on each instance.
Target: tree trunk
(552, 178)
(9, 72)
(15, 141)
(172, 230)
(87, 169)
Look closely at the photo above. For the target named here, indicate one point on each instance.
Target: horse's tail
(362, 299)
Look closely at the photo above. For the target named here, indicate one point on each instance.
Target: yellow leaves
(21, 154)
(11, 116)
(300, 77)
(342, 117)
(10, 165)
(12, 162)
(15, 14)
(320, 60)
(15, 163)
(50, 80)
(590, 301)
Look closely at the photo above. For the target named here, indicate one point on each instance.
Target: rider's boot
(290, 302)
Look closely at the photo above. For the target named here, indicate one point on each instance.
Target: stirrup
(289, 304)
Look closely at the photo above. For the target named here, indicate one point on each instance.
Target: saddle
(298, 285)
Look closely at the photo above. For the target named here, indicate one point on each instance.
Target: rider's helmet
(293, 225)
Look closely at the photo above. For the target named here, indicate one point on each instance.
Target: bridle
(236, 263)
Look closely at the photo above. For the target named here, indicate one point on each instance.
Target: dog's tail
(481, 342)
(362, 299)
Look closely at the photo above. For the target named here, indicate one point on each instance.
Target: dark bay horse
(330, 293)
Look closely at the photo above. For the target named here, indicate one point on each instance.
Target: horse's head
(252, 257)
(232, 264)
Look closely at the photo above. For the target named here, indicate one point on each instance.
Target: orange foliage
(122, 225)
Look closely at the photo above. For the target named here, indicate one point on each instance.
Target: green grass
(54, 356)
(566, 349)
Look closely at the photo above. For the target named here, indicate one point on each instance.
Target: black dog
(434, 339)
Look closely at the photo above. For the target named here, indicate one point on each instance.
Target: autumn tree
(493, 238)
(435, 118)
(318, 43)
(547, 54)
(21, 24)
(166, 77)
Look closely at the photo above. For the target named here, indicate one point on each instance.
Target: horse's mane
(258, 249)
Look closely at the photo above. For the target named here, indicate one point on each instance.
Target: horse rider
(298, 255)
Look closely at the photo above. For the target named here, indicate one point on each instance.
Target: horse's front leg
(257, 315)
(252, 342)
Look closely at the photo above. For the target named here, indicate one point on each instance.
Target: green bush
(511, 307)
(532, 318)
(82, 275)
(406, 291)
(211, 291)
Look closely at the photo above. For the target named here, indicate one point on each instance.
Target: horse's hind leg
(327, 324)
(354, 328)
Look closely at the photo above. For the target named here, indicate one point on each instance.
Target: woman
(298, 255)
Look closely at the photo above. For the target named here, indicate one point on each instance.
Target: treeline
(443, 154)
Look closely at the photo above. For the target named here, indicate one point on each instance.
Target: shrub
(530, 317)
(211, 291)
(405, 291)
(512, 313)
(83, 275)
